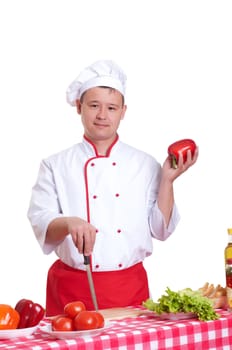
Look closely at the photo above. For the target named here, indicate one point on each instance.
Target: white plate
(176, 316)
(75, 334)
(19, 332)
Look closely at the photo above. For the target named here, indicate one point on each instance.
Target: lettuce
(185, 300)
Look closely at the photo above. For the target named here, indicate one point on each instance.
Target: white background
(178, 60)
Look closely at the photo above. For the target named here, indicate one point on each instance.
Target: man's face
(101, 111)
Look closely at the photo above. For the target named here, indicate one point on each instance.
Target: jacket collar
(91, 149)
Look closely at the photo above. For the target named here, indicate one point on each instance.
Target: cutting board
(116, 313)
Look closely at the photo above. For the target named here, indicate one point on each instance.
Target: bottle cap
(229, 230)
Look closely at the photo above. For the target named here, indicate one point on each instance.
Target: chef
(102, 198)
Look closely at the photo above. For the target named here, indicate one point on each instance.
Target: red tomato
(62, 323)
(86, 320)
(72, 309)
(9, 317)
(100, 319)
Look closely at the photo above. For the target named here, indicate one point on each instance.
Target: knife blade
(90, 281)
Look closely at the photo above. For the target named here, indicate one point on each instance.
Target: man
(102, 198)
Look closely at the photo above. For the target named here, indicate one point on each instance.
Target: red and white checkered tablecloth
(140, 333)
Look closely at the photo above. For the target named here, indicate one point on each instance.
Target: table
(140, 333)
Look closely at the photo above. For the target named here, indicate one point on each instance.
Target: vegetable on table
(185, 300)
(30, 313)
(181, 146)
(9, 317)
(73, 308)
(88, 320)
(62, 323)
(100, 319)
(77, 318)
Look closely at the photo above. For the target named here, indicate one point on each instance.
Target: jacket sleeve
(158, 227)
(44, 205)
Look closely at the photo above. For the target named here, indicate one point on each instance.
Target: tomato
(100, 319)
(9, 317)
(62, 323)
(181, 146)
(86, 320)
(73, 308)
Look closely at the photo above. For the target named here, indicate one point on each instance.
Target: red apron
(113, 289)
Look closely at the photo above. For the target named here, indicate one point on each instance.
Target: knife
(90, 280)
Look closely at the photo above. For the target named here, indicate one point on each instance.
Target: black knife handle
(86, 259)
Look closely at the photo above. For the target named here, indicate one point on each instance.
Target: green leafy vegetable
(185, 300)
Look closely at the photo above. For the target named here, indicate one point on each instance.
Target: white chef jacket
(116, 193)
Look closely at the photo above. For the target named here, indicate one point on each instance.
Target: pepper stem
(174, 162)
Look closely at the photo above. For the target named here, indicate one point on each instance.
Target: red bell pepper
(181, 146)
(30, 313)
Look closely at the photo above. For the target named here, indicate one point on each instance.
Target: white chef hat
(100, 73)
